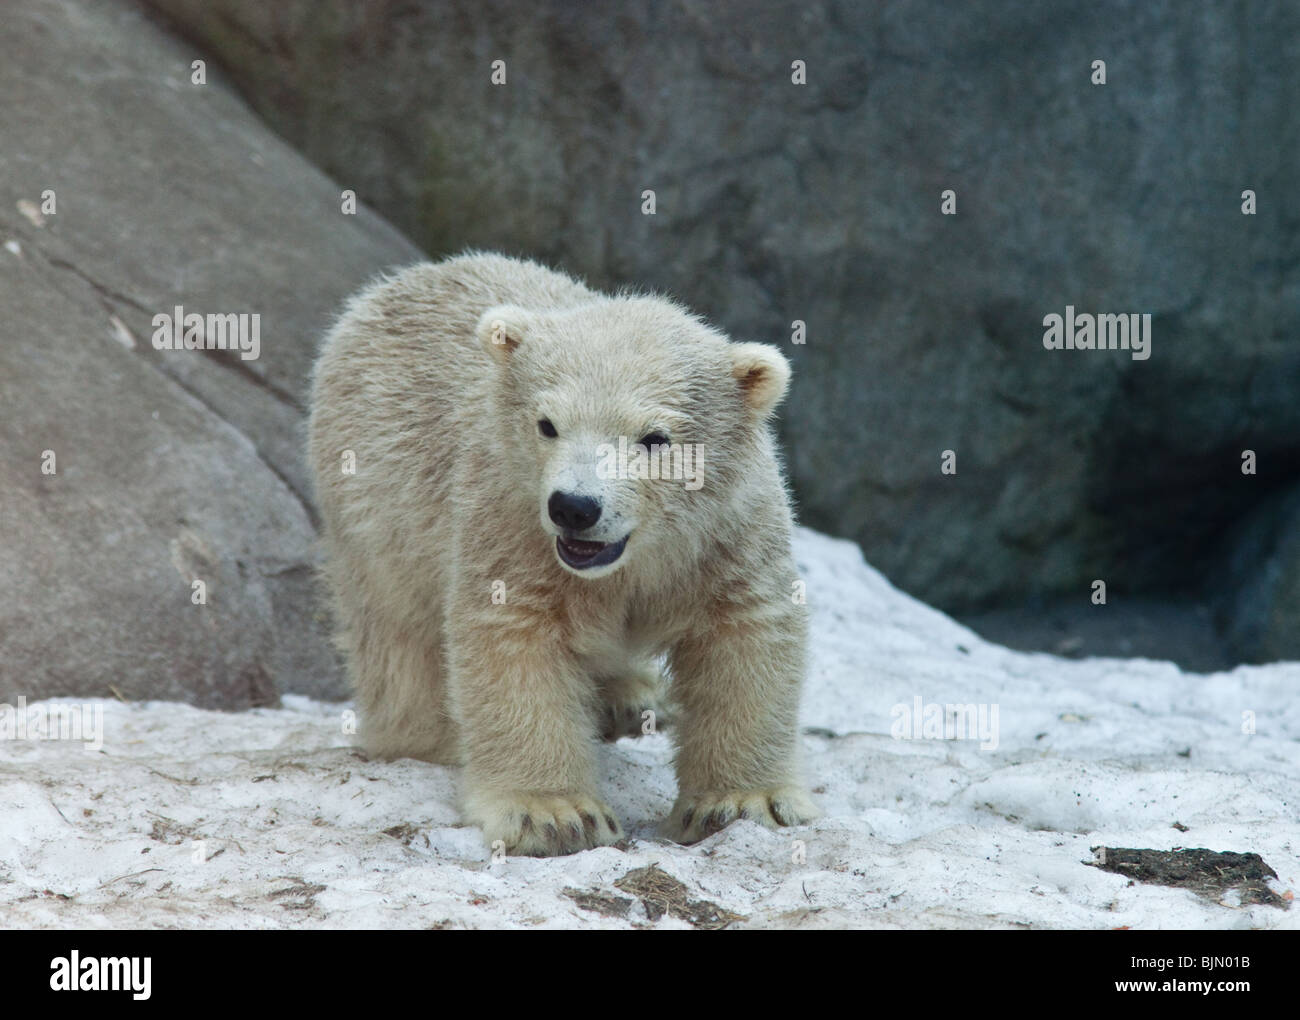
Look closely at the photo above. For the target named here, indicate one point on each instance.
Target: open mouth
(585, 555)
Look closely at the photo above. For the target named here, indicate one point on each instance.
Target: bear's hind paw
(624, 719)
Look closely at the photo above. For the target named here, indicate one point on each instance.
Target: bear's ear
(501, 329)
(763, 374)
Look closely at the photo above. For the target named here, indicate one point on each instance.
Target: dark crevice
(107, 296)
(237, 365)
(301, 497)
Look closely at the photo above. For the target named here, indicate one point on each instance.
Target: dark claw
(716, 822)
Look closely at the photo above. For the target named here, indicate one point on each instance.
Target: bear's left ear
(763, 374)
(502, 329)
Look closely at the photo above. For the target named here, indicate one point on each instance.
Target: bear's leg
(738, 688)
(627, 693)
(527, 717)
(397, 673)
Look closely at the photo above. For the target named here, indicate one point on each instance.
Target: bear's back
(412, 335)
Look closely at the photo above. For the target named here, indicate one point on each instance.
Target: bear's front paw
(697, 816)
(544, 825)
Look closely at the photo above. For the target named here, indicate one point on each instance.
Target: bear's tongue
(581, 550)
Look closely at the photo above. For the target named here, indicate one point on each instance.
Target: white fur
(436, 379)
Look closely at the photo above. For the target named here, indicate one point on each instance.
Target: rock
(821, 203)
(1258, 581)
(168, 466)
(1184, 633)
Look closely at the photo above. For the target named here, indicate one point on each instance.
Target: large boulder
(1258, 597)
(821, 203)
(129, 473)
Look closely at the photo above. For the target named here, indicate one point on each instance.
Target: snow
(266, 819)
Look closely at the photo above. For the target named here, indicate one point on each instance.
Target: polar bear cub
(533, 494)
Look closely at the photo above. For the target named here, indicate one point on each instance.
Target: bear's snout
(573, 512)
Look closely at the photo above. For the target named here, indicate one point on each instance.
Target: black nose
(577, 513)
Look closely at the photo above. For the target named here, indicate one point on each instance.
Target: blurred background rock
(775, 202)
(171, 466)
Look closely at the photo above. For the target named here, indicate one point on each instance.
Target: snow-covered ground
(190, 818)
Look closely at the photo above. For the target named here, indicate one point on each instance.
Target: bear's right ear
(501, 329)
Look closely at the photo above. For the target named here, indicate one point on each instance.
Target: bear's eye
(653, 439)
(546, 428)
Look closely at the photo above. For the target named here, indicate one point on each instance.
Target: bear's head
(634, 420)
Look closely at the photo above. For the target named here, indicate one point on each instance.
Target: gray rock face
(1259, 593)
(821, 203)
(168, 466)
